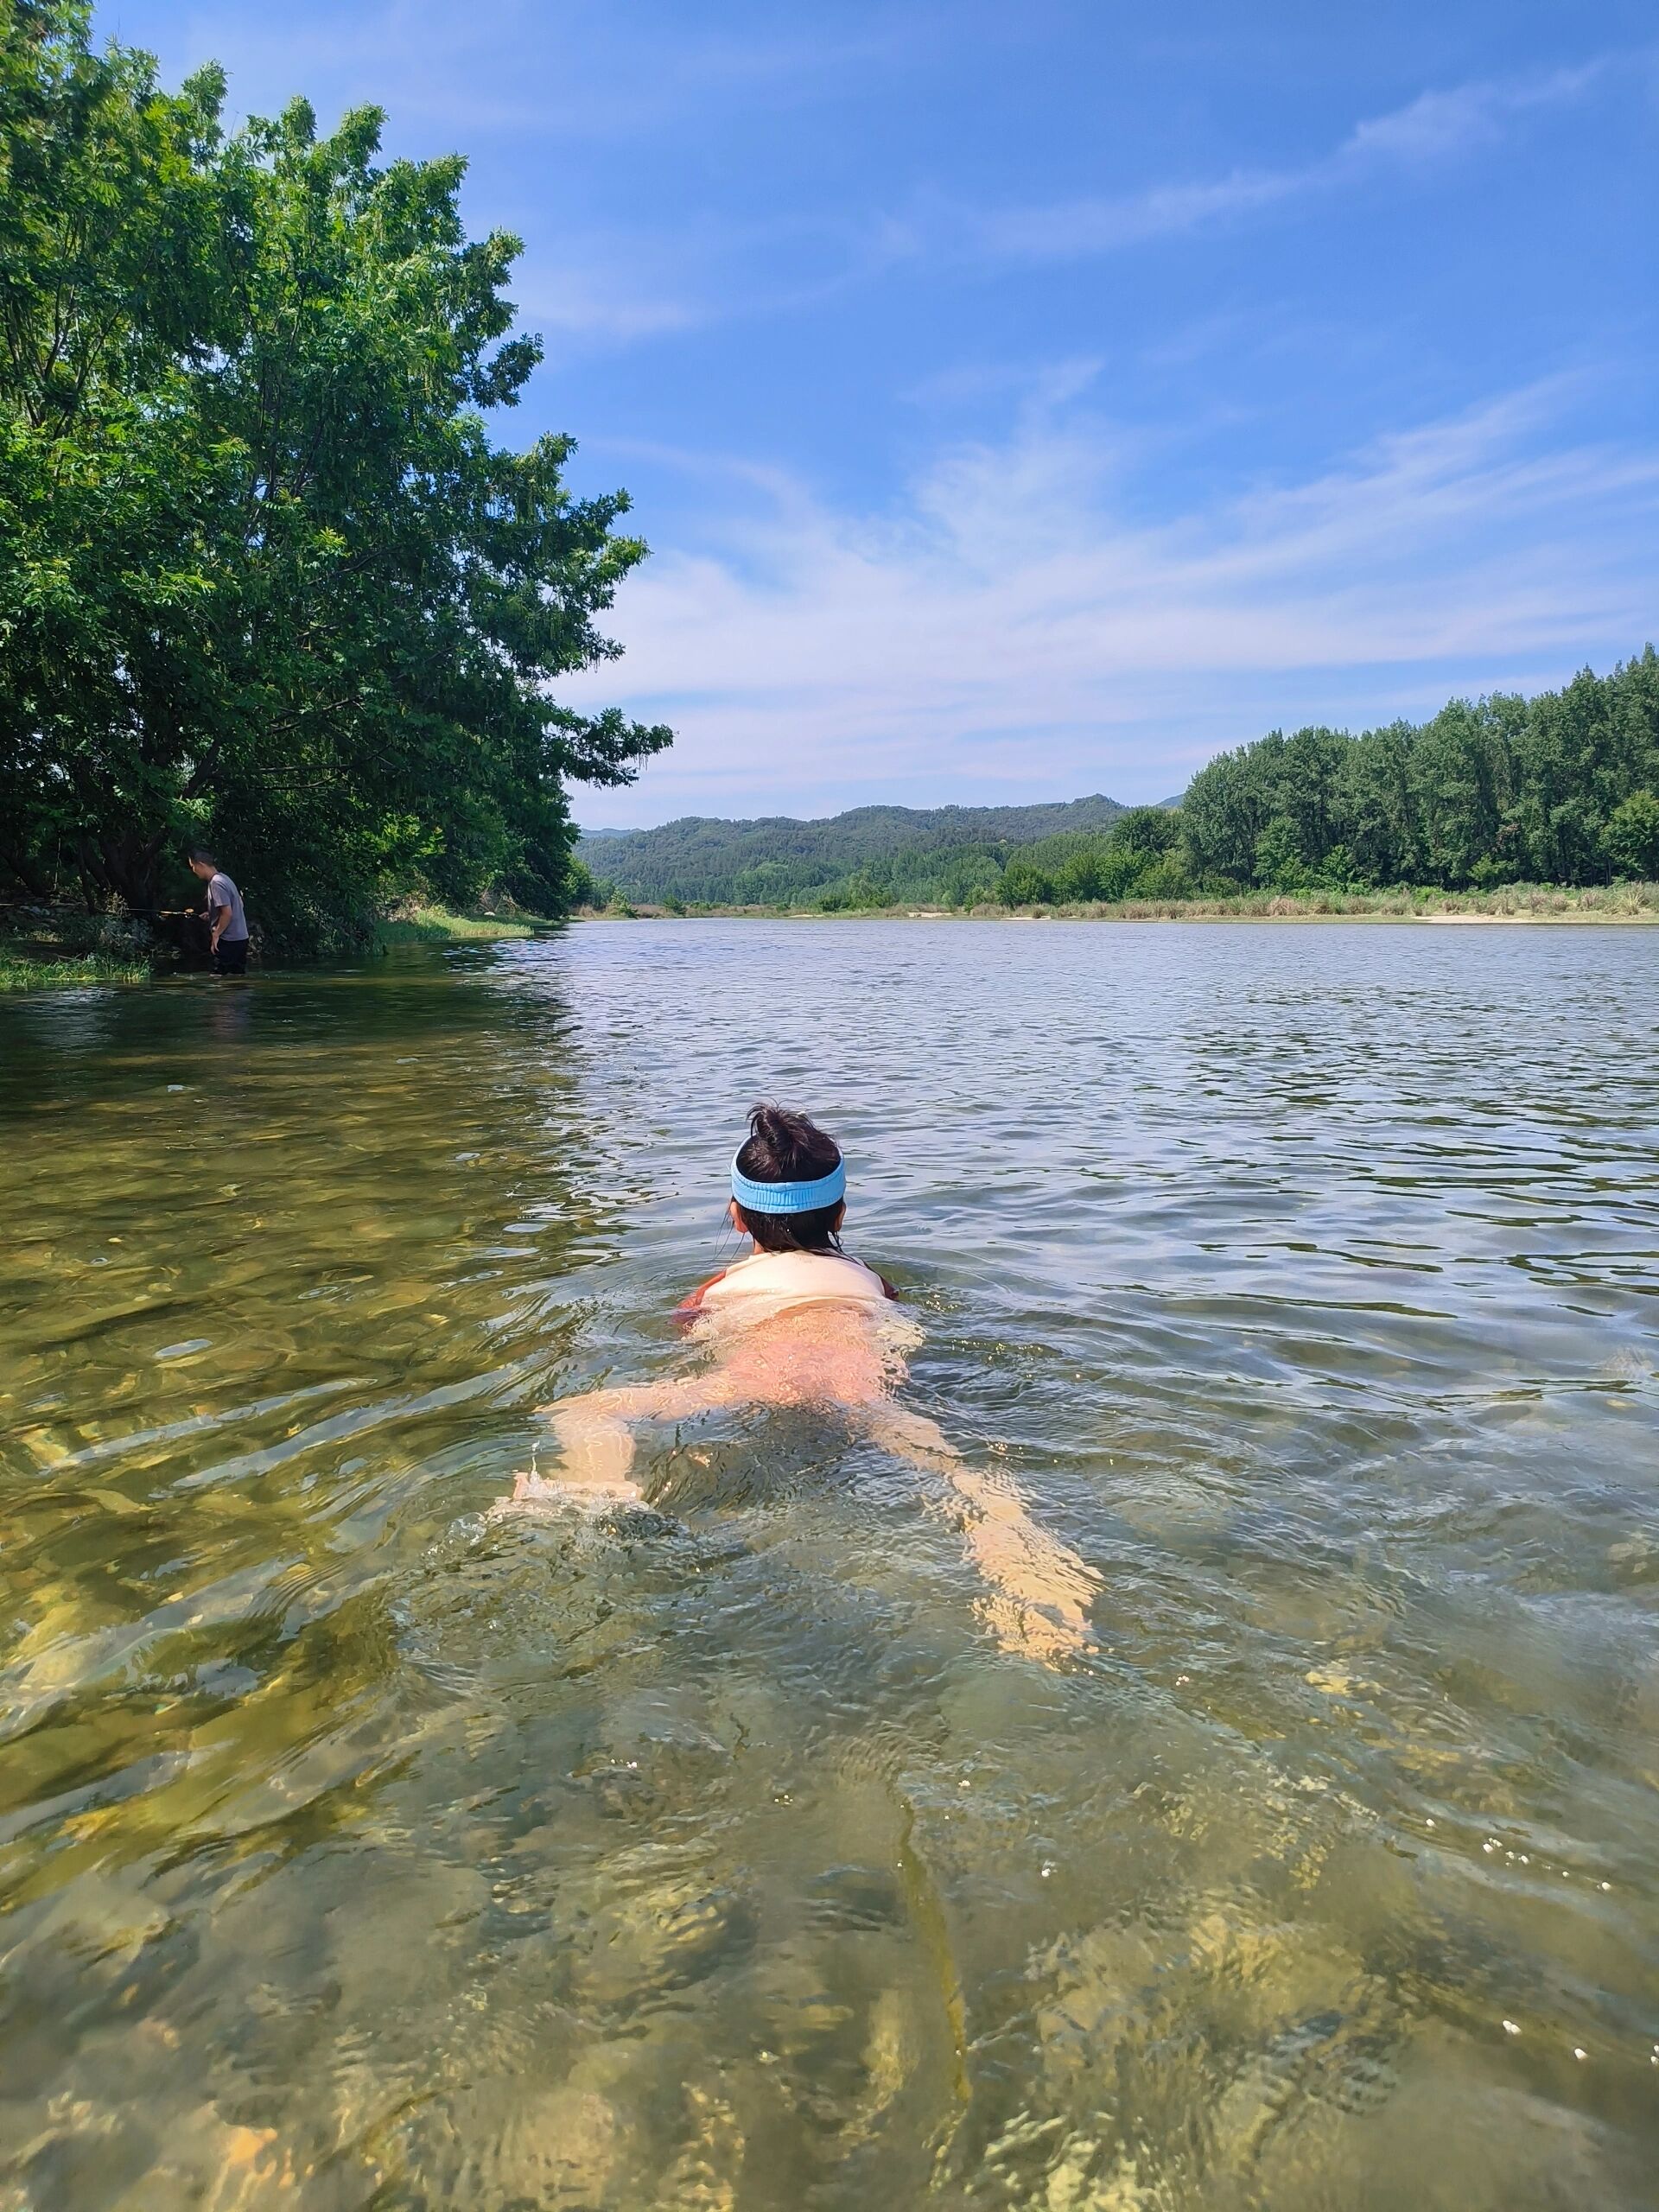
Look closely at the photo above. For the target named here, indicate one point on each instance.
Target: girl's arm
(692, 1305)
(1040, 1591)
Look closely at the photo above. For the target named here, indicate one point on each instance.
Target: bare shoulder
(888, 1288)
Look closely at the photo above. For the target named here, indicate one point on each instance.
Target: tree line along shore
(1537, 806)
(1442, 822)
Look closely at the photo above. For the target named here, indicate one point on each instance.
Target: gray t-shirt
(221, 892)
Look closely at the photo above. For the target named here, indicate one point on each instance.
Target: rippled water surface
(357, 1849)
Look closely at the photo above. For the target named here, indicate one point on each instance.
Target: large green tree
(265, 577)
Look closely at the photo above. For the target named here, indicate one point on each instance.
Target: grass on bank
(21, 971)
(444, 925)
(1516, 902)
(1519, 902)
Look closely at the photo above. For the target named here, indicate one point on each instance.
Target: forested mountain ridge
(775, 859)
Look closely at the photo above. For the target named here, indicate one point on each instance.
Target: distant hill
(700, 859)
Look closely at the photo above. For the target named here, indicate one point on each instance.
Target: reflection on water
(357, 1850)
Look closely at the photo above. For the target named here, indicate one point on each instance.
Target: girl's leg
(1040, 1589)
(596, 1440)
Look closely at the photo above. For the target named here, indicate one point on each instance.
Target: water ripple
(358, 1849)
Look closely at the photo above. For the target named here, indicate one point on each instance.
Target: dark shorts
(230, 959)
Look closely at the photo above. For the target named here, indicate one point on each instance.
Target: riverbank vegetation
(1560, 791)
(429, 925)
(266, 582)
(1562, 788)
(1519, 902)
(48, 949)
(20, 971)
(54, 949)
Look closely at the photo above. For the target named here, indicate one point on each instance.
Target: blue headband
(789, 1198)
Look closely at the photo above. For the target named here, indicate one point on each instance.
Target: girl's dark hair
(785, 1148)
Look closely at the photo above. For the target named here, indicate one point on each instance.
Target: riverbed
(360, 1848)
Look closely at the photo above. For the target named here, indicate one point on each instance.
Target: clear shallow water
(357, 1850)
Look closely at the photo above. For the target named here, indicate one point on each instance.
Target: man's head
(202, 863)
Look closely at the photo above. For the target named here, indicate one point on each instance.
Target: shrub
(1025, 884)
(1630, 839)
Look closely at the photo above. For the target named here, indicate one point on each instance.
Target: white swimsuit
(846, 1299)
(796, 1279)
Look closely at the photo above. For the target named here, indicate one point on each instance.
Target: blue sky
(1023, 402)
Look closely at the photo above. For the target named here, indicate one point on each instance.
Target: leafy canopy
(265, 580)
(1556, 788)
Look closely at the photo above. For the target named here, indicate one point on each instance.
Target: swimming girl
(800, 1322)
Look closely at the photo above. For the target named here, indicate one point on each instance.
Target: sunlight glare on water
(360, 1850)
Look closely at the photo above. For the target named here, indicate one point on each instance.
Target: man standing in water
(227, 925)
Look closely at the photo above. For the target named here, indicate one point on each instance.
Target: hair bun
(777, 1126)
(788, 1145)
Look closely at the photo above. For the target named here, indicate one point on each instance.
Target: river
(357, 1849)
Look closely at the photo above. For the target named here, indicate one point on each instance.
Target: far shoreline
(28, 968)
(1291, 921)
(1603, 907)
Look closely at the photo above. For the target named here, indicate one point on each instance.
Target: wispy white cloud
(588, 301)
(1431, 128)
(711, 277)
(1009, 627)
(1438, 123)
(1070, 229)
(551, 86)
(517, 66)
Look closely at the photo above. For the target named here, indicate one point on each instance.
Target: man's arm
(217, 917)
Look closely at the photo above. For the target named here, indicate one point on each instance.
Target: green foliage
(860, 893)
(580, 886)
(421, 924)
(1504, 791)
(1113, 854)
(264, 580)
(1139, 857)
(1278, 863)
(19, 972)
(1025, 883)
(1145, 834)
(1497, 791)
(1630, 839)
